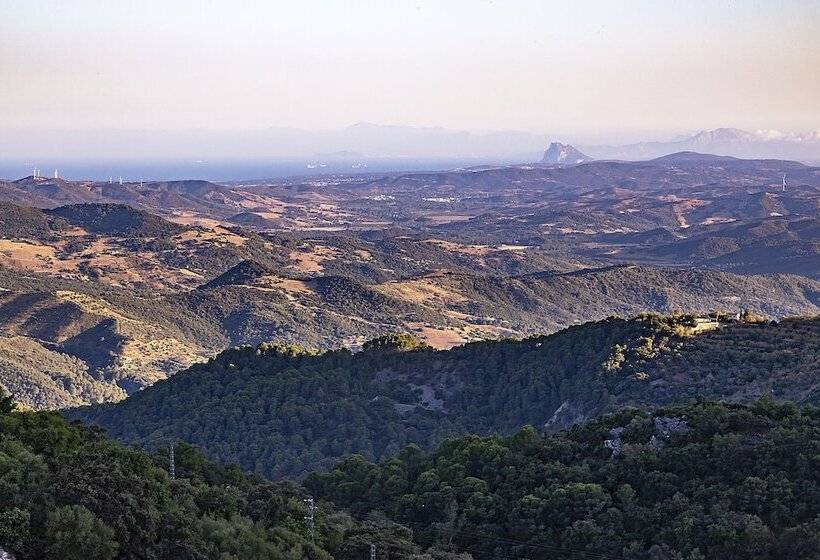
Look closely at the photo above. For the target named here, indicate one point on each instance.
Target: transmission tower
(171, 464)
(310, 518)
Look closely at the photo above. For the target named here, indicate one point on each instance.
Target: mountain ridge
(375, 402)
(721, 141)
(126, 341)
(381, 141)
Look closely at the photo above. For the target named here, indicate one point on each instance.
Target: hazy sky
(531, 65)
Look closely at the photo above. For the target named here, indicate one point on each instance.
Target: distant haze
(357, 141)
(605, 72)
(362, 148)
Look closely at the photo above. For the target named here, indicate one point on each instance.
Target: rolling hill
(758, 246)
(117, 220)
(123, 339)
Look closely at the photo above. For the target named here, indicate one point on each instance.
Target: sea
(224, 170)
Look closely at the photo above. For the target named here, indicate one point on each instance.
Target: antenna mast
(171, 463)
(310, 518)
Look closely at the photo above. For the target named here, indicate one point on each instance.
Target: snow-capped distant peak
(763, 135)
(722, 135)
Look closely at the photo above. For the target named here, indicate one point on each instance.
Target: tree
(14, 527)
(6, 402)
(75, 533)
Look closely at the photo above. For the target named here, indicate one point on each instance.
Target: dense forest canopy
(706, 480)
(284, 411)
(67, 493)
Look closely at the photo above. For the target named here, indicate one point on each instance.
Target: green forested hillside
(50, 379)
(25, 222)
(706, 480)
(703, 481)
(67, 493)
(285, 411)
(116, 219)
(740, 363)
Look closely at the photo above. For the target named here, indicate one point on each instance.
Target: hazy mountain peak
(722, 135)
(758, 144)
(563, 154)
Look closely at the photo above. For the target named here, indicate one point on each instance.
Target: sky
(598, 70)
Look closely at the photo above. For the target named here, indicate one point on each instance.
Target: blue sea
(221, 171)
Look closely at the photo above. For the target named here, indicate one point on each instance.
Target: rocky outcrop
(615, 443)
(563, 154)
(666, 427)
(565, 416)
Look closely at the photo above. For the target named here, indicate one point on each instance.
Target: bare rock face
(665, 428)
(614, 442)
(563, 154)
(668, 426)
(565, 416)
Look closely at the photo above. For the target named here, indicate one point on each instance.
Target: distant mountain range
(721, 141)
(366, 142)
